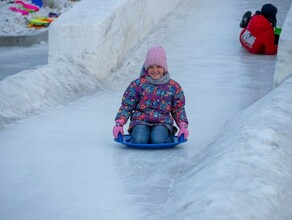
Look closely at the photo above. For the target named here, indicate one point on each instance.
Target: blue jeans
(144, 134)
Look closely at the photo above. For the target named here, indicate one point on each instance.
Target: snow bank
(32, 91)
(245, 174)
(98, 40)
(284, 65)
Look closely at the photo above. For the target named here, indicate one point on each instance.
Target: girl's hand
(118, 128)
(183, 129)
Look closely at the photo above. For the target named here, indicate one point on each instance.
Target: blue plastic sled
(126, 140)
(38, 2)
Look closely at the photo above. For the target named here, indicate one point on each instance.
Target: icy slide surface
(63, 163)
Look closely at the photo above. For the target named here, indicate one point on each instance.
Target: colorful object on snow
(40, 21)
(38, 2)
(53, 15)
(21, 11)
(26, 6)
(126, 140)
(277, 30)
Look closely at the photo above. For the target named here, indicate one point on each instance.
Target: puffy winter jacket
(152, 104)
(258, 37)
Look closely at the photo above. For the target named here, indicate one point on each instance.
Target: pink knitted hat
(156, 56)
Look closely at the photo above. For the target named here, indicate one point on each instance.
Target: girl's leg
(160, 134)
(140, 134)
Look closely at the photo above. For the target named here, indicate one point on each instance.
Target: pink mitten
(183, 129)
(118, 128)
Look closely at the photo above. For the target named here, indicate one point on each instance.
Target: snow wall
(257, 184)
(98, 40)
(283, 68)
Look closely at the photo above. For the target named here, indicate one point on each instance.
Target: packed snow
(58, 159)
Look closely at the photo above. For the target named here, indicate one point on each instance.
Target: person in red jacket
(258, 34)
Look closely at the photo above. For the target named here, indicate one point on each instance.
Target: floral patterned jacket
(150, 104)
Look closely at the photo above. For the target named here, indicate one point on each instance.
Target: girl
(152, 102)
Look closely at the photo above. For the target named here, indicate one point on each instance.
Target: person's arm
(178, 106)
(270, 47)
(179, 113)
(129, 102)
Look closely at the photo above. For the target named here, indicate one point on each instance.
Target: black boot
(245, 19)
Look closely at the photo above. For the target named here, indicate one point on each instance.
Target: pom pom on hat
(156, 56)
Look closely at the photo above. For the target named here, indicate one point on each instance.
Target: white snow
(60, 161)
(283, 65)
(246, 173)
(98, 40)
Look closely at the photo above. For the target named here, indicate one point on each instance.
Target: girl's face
(155, 71)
